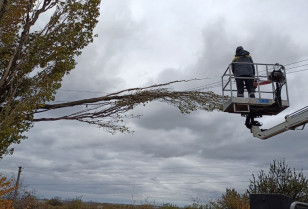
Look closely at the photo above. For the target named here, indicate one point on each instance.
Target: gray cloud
(170, 157)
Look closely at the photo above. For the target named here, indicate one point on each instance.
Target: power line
(205, 86)
(212, 85)
(297, 71)
(296, 67)
(296, 62)
(81, 91)
(101, 92)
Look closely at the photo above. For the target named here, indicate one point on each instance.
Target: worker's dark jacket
(243, 69)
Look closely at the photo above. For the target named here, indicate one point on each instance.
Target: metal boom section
(292, 121)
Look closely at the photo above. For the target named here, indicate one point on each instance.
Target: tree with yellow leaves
(230, 200)
(5, 188)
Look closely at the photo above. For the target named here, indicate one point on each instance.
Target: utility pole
(17, 183)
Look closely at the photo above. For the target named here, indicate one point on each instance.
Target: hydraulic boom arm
(292, 121)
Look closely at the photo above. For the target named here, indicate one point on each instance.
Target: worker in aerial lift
(243, 70)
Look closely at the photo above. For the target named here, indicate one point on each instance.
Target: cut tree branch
(107, 111)
(109, 97)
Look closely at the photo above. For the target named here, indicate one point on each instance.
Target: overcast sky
(170, 157)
